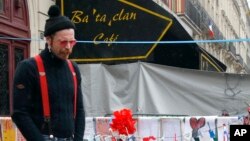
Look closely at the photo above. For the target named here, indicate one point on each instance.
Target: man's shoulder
(26, 67)
(28, 62)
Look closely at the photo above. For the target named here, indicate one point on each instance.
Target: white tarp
(155, 89)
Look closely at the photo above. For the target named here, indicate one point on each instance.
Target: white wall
(37, 16)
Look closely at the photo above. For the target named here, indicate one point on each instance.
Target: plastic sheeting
(151, 89)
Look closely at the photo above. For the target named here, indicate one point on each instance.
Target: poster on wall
(8, 130)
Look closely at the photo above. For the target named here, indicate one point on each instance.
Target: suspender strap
(43, 86)
(75, 84)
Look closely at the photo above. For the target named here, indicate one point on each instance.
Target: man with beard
(47, 95)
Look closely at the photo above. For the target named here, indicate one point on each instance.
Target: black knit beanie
(56, 21)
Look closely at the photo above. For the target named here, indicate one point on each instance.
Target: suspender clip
(47, 119)
(48, 122)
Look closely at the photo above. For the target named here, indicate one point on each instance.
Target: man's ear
(48, 40)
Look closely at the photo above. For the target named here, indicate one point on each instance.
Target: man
(66, 118)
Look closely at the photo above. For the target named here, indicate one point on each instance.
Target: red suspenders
(44, 86)
(75, 84)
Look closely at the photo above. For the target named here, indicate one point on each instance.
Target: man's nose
(68, 45)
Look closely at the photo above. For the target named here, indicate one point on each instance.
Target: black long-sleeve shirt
(28, 110)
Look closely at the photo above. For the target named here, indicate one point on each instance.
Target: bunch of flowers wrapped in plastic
(123, 125)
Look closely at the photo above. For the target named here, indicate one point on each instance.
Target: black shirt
(28, 110)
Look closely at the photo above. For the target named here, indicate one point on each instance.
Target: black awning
(111, 21)
(129, 21)
(186, 56)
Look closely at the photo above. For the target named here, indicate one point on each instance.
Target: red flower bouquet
(123, 122)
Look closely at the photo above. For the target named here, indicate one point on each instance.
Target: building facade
(21, 27)
(229, 20)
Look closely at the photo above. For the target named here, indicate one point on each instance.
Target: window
(4, 80)
(5, 72)
(11, 51)
(1, 6)
(19, 55)
(217, 3)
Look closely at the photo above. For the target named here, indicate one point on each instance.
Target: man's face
(62, 43)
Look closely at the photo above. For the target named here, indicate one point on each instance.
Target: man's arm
(23, 87)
